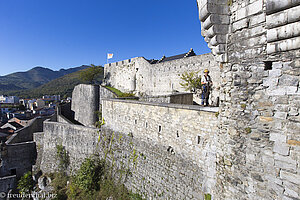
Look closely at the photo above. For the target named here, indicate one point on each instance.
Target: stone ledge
(273, 6)
(283, 45)
(282, 18)
(210, 8)
(8, 177)
(283, 32)
(179, 106)
(72, 125)
(215, 19)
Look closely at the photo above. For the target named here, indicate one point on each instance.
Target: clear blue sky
(68, 33)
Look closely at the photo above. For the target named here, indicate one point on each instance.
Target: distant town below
(17, 113)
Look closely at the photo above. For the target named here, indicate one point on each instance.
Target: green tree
(91, 74)
(89, 174)
(26, 183)
(191, 81)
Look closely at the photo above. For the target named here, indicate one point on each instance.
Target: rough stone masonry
(249, 148)
(258, 148)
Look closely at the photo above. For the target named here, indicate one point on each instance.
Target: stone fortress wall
(145, 79)
(175, 160)
(249, 149)
(258, 147)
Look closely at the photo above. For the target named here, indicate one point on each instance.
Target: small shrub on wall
(191, 81)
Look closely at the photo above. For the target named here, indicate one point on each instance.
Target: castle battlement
(119, 63)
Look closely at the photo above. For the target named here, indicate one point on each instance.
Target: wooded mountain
(33, 78)
(61, 86)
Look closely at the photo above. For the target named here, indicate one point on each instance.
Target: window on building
(159, 129)
(177, 134)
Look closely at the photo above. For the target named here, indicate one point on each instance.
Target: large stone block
(277, 137)
(240, 25)
(281, 148)
(275, 5)
(291, 193)
(217, 29)
(212, 8)
(215, 19)
(286, 160)
(291, 177)
(284, 32)
(218, 39)
(283, 45)
(221, 48)
(257, 19)
(280, 115)
(288, 80)
(284, 17)
(255, 7)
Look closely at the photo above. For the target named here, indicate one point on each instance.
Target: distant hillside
(33, 78)
(62, 86)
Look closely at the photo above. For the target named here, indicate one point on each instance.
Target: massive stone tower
(257, 43)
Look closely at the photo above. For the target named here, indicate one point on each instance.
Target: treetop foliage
(191, 81)
(91, 74)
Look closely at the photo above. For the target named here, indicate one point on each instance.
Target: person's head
(206, 71)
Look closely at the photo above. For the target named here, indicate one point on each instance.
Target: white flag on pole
(110, 55)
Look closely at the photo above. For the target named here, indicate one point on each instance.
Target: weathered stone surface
(265, 119)
(281, 148)
(283, 32)
(240, 25)
(288, 80)
(274, 5)
(157, 170)
(284, 17)
(293, 142)
(210, 8)
(85, 103)
(285, 162)
(280, 115)
(291, 193)
(277, 137)
(215, 19)
(294, 178)
(284, 45)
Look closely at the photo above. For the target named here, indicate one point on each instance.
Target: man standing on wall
(206, 86)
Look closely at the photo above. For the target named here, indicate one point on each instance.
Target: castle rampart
(162, 78)
(164, 169)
